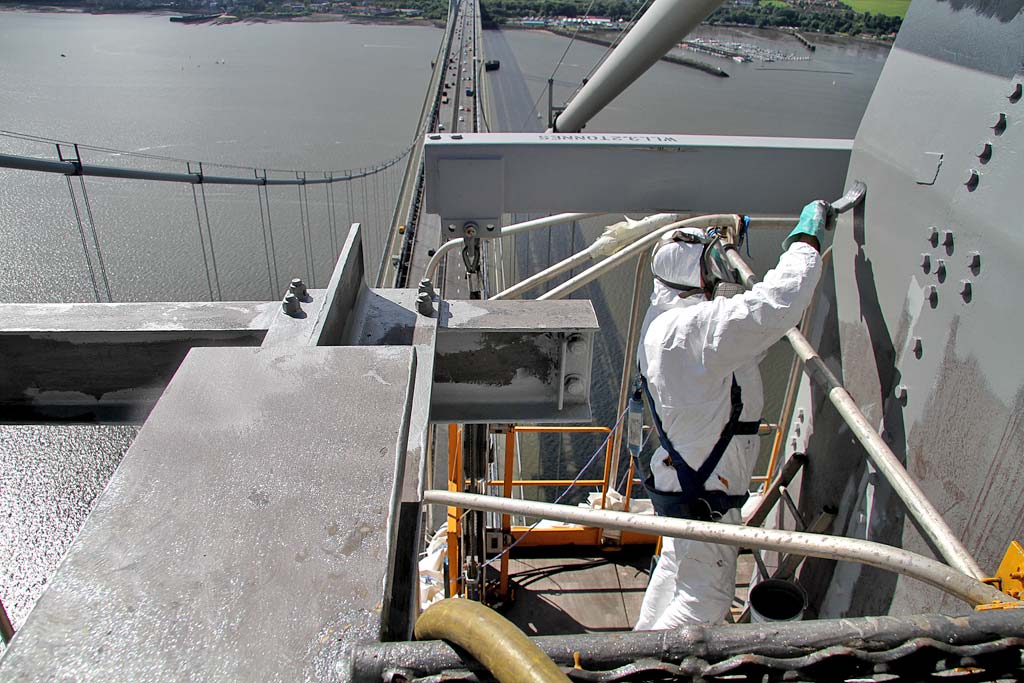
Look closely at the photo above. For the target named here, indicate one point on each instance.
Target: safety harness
(694, 501)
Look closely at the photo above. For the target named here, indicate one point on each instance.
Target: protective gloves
(812, 222)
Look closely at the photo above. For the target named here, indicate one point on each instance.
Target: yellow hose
(492, 639)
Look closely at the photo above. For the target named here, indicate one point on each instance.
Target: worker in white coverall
(698, 357)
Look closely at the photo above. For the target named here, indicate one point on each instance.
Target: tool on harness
(635, 423)
(694, 501)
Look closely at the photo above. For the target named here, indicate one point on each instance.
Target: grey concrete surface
(243, 537)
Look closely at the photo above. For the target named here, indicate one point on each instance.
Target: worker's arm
(739, 328)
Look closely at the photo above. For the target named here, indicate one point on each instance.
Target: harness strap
(691, 480)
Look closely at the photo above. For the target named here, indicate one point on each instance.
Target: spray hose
(492, 639)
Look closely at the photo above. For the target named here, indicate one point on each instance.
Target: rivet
(490, 227)
(974, 261)
(926, 263)
(933, 236)
(966, 290)
(1014, 95)
(800, 415)
(986, 152)
(434, 136)
(940, 269)
(451, 227)
(901, 392)
(792, 445)
(1000, 125)
(973, 178)
(796, 429)
(291, 305)
(932, 294)
(947, 238)
(457, 136)
(918, 347)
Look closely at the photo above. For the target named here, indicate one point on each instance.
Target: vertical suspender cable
(364, 220)
(209, 234)
(348, 203)
(378, 228)
(329, 191)
(202, 242)
(266, 245)
(85, 244)
(305, 238)
(270, 233)
(309, 228)
(95, 238)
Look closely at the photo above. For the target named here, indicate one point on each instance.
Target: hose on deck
(492, 639)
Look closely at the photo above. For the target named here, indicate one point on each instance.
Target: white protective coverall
(690, 347)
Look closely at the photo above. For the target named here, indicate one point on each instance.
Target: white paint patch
(372, 374)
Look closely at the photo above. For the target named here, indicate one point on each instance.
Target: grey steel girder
(475, 178)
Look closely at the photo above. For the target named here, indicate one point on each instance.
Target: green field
(890, 8)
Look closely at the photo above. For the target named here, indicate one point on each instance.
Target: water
(316, 96)
(285, 95)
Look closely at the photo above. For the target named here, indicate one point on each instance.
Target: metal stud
(986, 152)
(574, 385)
(973, 179)
(298, 288)
(1000, 125)
(940, 270)
(926, 263)
(966, 290)
(1014, 95)
(424, 304)
(947, 238)
(932, 294)
(918, 347)
(901, 392)
(974, 261)
(291, 305)
(933, 236)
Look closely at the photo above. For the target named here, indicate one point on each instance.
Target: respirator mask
(693, 262)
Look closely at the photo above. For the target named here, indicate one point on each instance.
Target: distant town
(817, 16)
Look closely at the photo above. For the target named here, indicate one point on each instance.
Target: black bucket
(776, 600)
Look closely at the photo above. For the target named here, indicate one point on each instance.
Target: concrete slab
(243, 537)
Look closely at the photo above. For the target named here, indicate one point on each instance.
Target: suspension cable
(209, 235)
(266, 246)
(202, 242)
(85, 244)
(95, 238)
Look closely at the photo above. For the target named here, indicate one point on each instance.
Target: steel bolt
(966, 290)
(800, 415)
(796, 430)
(932, 294)
(926, 263)
(576, 344)
(1014, 95)
(424, 304)
(940, 269)
(457, 136)
(426, 287)
(297, 287)
(901, 392)
(792, 445)
(933, 236)
(574, 385)
(1000, 125)
(986, 152)
(434, 136)
(918, 347)
(451, 227)
(947, 238)
(973, 179)
(291, 305)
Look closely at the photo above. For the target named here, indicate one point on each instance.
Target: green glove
(812, 223)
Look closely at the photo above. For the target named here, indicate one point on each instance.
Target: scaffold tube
(885, 557)
(491, 638)
(920, 508)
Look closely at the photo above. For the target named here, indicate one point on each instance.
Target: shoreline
(225, 20)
